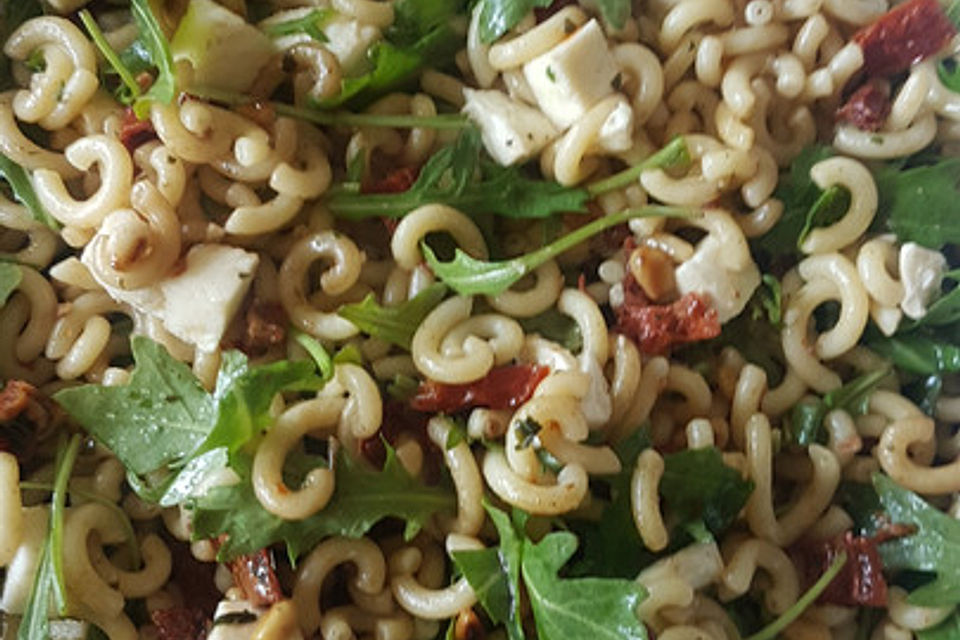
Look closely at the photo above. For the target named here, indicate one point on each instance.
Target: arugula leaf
(828, 208)
(696, 484)
(799, 194)
(611, 546)
(615, 12)
(393, 65)
(469, 276)
(771, 299)
(448, 178)
(556, 327)
(494, 573)
(111, 56)
(562, 608)
(924, 392)
(243, 404)
(773, 629)
(953, 13)
(16, 176)
(320, 356)
(415, 18)
(499, 16)
(164, 419)
(311, 24)
(949, 74)
(943, 311)
(362, 497)
(862, 503)
(934, 548)
(949, 629)
(919, 352)
(49, 583)
(159, 418)
(919, 204)
(806, 418)
(10, 276)
(13, 13)
(396, 324)
(155, 42)
(577, 608)
(674, 155)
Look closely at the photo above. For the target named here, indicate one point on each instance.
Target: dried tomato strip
(14, 398)
(867, 108)
(135, 132)
(396, 181)
(256, 576)
(903, 36)
(180, 623)
(505, 387)
(656, 328)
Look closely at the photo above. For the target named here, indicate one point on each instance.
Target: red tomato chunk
(504, 387)
(909, 33)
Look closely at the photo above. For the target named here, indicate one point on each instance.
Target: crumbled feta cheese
(224, 50)
(704, 273)
(512, 131)
(197, 304)
(616, 134)
(574, 75)
(349, 40)
(921, 272)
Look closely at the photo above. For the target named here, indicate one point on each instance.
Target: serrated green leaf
(698, 485)
(160, 417)
(934, 547)
(363, 497)
(396, 324)
(154, 40)
(16, 176)
(597, 608)
(469, 276)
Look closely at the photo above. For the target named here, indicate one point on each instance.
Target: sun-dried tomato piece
(505, 387)
(396, 181)
(656, 328)
(20, 410)
(256, 576)
(180, 623)
(135, 132)
(860, 582)
(14, 398)
(867, 108)
(266, 326)
(903, 36)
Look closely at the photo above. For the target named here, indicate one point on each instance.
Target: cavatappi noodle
(200, 204)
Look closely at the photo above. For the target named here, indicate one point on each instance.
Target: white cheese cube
(350, 40)
(573, 76)
(616, 133)
(18, 580)
(704, 273)
(921, 272)
(198, 303)
(512, 131)
(224, 50)
(347, 39)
